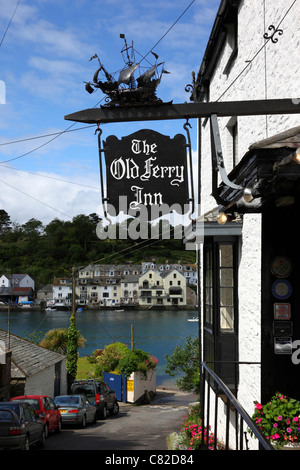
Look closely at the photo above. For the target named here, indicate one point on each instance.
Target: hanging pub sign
(146, 174)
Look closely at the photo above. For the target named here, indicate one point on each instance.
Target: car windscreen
(84, 389)
(10, 406)
(33, 402)
(66, 401)
(6, 415)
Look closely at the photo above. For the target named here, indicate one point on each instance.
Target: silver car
(76, 409)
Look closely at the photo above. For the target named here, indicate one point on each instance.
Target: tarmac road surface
(143, 427)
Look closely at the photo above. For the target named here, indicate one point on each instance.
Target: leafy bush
(184, 361)
(118, 358)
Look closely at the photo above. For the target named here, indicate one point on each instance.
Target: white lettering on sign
(147, 199)
(127, 168)
(148, 168)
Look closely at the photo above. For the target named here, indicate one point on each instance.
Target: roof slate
(29, 358)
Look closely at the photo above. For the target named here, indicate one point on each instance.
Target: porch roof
(268, 172)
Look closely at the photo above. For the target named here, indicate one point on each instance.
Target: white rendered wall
(271, 74)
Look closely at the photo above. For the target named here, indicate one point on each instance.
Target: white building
(62, 291)
(16, 280)
(250, 266)
(167, 289)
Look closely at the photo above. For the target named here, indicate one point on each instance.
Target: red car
(46, 409)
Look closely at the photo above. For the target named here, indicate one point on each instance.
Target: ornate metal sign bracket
(190, 162)
(218, 160)
(101, 151)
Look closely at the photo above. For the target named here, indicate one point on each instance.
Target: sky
(45, 47)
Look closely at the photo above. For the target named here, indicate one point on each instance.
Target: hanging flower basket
(279, 421)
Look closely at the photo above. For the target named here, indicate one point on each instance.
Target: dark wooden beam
(185, 110)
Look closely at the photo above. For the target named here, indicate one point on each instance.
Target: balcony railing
(242, 419)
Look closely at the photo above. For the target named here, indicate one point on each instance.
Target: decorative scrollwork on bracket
(272, 36)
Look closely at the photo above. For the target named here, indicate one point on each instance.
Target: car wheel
(26, 443)
(41, 442)
(115, 409)
(83, 423)
(104, 413)
(46, 430)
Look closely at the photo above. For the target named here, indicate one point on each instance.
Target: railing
(241, 416)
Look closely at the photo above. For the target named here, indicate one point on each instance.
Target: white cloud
(25, 196)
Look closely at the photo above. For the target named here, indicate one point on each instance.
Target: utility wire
(51, 177)
(10, 21)
(45, 135)
(171, 27)
(255, 55)
(68, 129)
(35, 199)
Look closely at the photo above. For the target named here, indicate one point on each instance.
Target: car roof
(70, 396)
(31, 396)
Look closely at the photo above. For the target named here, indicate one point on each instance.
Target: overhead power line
(10, 21)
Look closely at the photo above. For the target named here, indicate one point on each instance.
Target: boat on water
(56, 306)
(126, 89)
(193, 319)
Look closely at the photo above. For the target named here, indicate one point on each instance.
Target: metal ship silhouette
(128, 90)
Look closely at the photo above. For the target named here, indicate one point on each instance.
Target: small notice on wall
(282, 311)
(283, 345)
(130, 386)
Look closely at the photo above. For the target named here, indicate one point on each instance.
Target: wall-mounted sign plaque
(149, 171)
(281, 266)
(283, 345)
(282, 311)
(281, 289)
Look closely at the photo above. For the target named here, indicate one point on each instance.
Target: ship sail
(126, 74)
(145, 77)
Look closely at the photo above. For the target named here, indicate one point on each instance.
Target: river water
(156, 332)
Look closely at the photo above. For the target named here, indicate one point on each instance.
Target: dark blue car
(20, 426)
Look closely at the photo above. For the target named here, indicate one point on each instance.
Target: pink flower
(289, 430)
(279, 418)
(275, 425)
(296, 419)
(258, 406)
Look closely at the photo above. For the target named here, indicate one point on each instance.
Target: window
(220, 306)
(220, 286)
(226, 288)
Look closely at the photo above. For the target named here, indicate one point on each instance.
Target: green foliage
(184, 361)
(118, 358)
(57, 340)
(136, 361)
(109, 359)
(72, 356)
(279, 419)
(47, 251)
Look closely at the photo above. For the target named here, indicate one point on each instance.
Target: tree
(5, 223)
(185, 360)
(72, 345)
(57, 340)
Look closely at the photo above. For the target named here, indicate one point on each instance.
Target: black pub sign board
(146, 173)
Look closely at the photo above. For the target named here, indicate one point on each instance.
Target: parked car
(76, 409)
(99, 394)
(20, 426)
(46, 410)
(111, 399)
